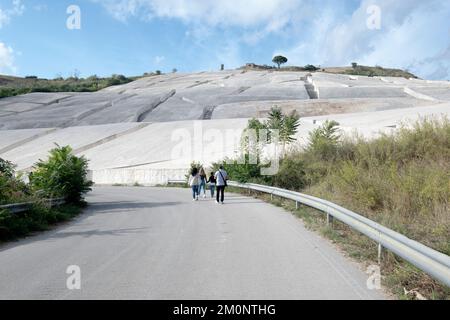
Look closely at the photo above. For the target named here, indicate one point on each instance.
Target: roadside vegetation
(12, 86)
(279, 126)
(401, 181)
(377, 71)
(355, 69)
(62, 175)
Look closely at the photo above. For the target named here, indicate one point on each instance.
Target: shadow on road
(112, 206)
(54, 235)
(90, 233)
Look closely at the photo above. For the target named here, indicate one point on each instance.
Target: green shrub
(240, 171)
(62, 175)
(291, 174)
(324, 140)
(310, 67)
(6, 168)
(11, 189)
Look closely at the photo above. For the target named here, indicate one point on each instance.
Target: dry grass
(401, 181)
(399, 277)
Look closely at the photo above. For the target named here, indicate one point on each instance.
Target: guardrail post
(329, 219)
(380, 251)
(296, 205)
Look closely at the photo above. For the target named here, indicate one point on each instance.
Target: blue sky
(135, 36)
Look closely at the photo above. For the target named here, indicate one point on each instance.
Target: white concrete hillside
(149, 130)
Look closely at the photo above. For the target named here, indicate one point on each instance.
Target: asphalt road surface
(155, 243)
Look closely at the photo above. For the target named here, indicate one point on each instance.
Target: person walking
(221, 183)
(194, 181)
(212, 184)
(202, 185)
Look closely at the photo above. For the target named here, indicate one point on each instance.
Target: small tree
(62, 175)
(290, 127)
(323, 141)
(253, 147)
(276, 117)
(287, 125)
(354, 65)
(279, 60)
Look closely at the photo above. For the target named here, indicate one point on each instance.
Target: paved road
(152, 243)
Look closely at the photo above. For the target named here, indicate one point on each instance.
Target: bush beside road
(62, 175)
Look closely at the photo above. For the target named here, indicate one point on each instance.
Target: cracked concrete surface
(172, 104)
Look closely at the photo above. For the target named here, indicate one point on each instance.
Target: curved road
(155, 243)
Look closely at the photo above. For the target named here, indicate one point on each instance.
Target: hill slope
(369, 71)
(12, 86)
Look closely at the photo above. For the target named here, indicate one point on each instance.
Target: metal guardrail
(177, 182)
(432, 262)
(25, 206)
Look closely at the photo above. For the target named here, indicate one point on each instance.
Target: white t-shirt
(220, 176)
(194, 180)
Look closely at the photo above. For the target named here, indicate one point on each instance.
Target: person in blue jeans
(212, 184)
(202, 186)
(194, 181)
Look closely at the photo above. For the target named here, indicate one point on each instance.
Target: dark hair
(221, 167)
(194, 171)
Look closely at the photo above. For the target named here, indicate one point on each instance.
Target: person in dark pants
(221, 182)
(212, 184)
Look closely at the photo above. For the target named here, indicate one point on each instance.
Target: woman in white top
(194, 181)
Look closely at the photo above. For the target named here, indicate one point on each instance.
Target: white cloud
(209, 18)
(229, 55)
(7, 60)
(158, 59)
(414, 34)
(250, 13)
(6, 14)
